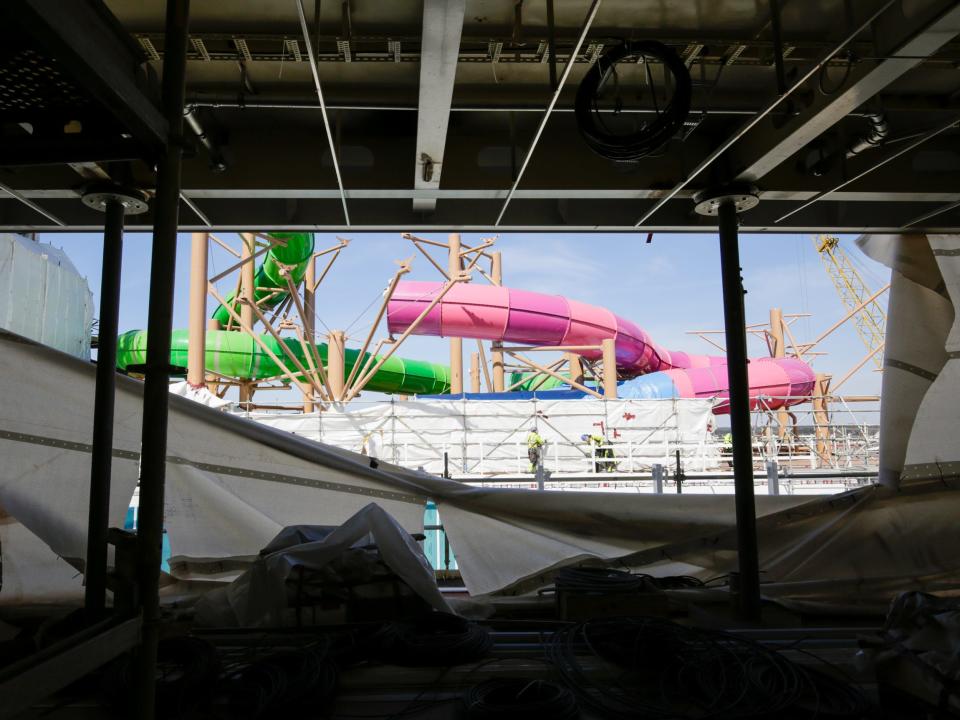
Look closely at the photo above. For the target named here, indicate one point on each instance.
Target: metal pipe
(876, 166)
(750, 124)
(595, 5)
(736, 341)
(31, 204)
(323, 108)
(156, 392)
(101, 456)
(217, 163)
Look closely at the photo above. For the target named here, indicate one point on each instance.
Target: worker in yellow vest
(535, 445)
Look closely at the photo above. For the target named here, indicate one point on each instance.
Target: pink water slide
(509, 315)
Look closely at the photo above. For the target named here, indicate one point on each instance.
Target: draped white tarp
(489, 437)
(920, 401)
(233, 484)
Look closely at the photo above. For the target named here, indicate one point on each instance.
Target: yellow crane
(868, 316)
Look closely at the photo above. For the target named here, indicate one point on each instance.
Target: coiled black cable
(654, 134)
(520, 699)
(653, 668)
(434, 639)
(597, 580)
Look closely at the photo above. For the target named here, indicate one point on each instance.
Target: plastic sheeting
(489, 437)
(232, 485)
(43, 297)
(259, 596)
(921, 378)
(199, 395)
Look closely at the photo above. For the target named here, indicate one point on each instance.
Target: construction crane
(863, 308)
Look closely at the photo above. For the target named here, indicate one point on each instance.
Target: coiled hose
(653, 135)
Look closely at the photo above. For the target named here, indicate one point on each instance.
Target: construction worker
(535, 445)
(602, 455)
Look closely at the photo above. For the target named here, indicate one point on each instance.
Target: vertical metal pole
(456, 344)
(102, 452)
(779, 351)
(156, 393)
(736, 337)
(474, 372)
(309, 322)
(773, 478)
(552, 45)
(658, 479)
(496, 269)
(609, 368)
(574, 367)
(336, 361)
(197, 347)
(777, 46)
(248, 280)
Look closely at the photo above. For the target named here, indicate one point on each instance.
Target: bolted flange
(134, 201)
(708, 202)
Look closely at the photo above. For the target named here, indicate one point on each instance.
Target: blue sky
(668, 287)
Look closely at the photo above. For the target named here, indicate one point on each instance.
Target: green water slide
(237, 354)
(294, 256)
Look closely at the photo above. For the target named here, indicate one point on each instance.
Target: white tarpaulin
(489, 437)
(232, 485)
(921, 378)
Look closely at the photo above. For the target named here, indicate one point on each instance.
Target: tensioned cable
(750, 124)
(323, 107)
(32, 205)
(553, 101)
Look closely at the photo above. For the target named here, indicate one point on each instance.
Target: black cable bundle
(653, 135)
(595, 580)
(652, 668)
(286, 681)
(187, 670)
(434, 639)
(520, 699)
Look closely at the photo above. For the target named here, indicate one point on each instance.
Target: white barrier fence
(489, 437)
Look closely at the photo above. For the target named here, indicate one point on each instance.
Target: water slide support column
(308, 320)
(475, 372)
(101, 456)
(196, 350)
(156, 391)
(456, 344)
(609, 348)
(336, 362)
(574, 367)
(779, 351)
(821, 419)
(496, 274)
(748, 598)
(247, 281)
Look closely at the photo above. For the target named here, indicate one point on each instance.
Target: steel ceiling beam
(912, 40)
(754, 121)
(440, 48)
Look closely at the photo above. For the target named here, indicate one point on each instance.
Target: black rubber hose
(654, 135)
